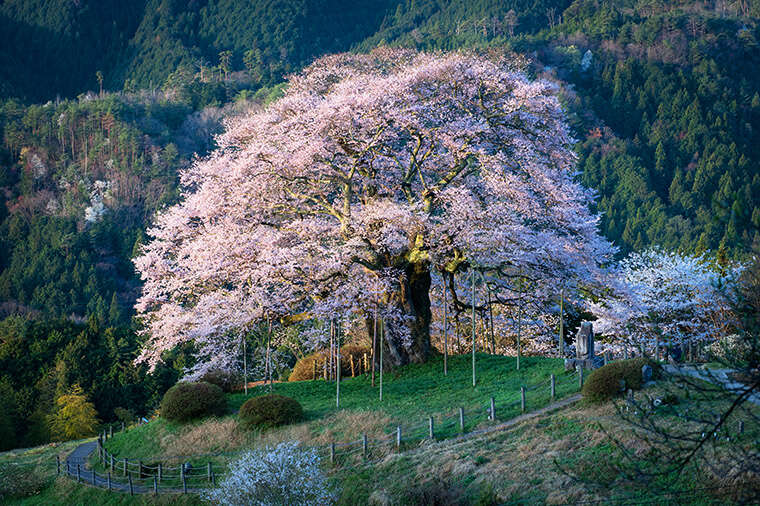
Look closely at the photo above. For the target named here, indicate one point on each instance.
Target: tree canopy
(370, 171)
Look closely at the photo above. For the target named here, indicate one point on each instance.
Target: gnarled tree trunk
(411, 299)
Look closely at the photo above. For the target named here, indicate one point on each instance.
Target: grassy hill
(557, 458)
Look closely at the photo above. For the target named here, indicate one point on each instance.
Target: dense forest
(102, 102)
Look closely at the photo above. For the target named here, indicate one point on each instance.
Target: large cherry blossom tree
(372, 170)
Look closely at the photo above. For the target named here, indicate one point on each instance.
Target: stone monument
(584, 350)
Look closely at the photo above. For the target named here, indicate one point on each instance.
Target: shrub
(186, 401)
(124, 415)
(614, 378)
(17, 481)
(286, 474)
(304, 368)
(226, 380)
(270, 410)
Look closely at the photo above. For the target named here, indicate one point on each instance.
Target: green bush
(270, 410)
(186, 401)
(17, 481)
(225, 380)
(615, 378)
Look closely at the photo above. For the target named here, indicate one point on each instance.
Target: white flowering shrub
(283, 475)
(731, 349)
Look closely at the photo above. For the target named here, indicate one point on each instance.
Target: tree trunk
(412, 300)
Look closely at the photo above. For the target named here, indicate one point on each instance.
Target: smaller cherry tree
(666, 297)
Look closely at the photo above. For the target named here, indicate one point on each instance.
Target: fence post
(364, 445)
(430, 426)
(208, 471)
(79, 473)
(461, 419)
(110, 431)
(68, 468)
(332, 453)
(553, 387)
(351, 361)
(160, 471)
(184, 483)
(93, 478)
(125, 466)
(580, 376)
(109, 481)
(398, 437)
(122, 426)
(522, 399)
(492, 415)
(57, 465)
(155, 486)
(182, 471)
(131, 488)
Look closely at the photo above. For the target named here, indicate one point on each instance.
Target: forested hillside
(102, 102)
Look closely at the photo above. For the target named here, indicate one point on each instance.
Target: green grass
(410, 395)
(418, 390)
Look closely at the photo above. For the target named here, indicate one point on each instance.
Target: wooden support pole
(337, 368)
(461, 419)
(184, 483)
(562, 323)
(522, 399)
(553, 387)
(445, 329)
(430, 428)
(351, 362)
(160, 472)
(374, 341)
(110, 431)
(332, 454)
(382, 334)
(131, 487)
(57, 465)
(492, 414)
(93, 477)
(519, 345)
(109, 481)
(580, 376)
(245, 367)
(364, 445)
(79, 473)
(473, 325)
(208, 471)
(155, 486)
(398, 437)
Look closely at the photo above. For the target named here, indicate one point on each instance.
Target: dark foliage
(187, 401)
(226, 380)
(614, 378)
(270, 410)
